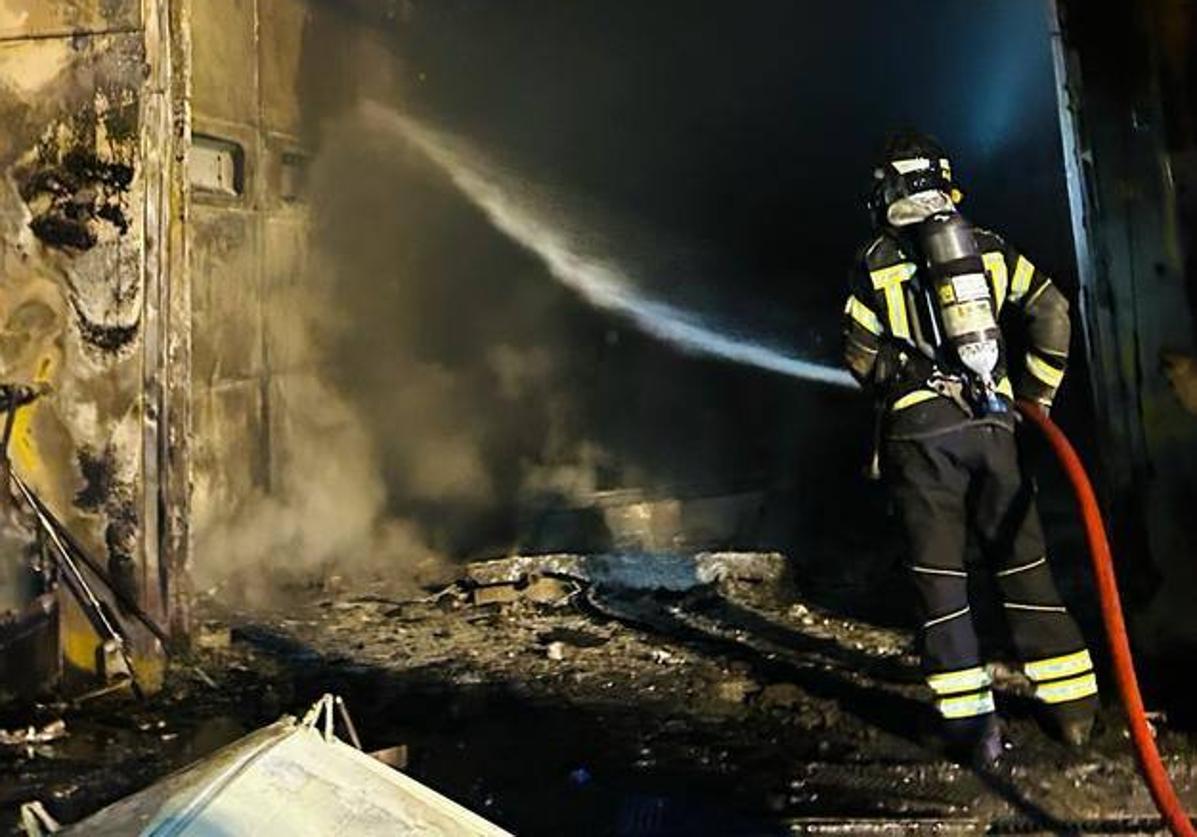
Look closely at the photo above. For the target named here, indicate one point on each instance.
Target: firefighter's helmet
(912, 180)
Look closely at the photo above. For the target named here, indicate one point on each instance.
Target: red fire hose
(1111, 611)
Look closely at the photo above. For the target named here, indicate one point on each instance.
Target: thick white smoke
(599, 281)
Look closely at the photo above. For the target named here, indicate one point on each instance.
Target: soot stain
(69, 200)
(108, 338)
(105, 492)
(99, 477)
(120, 535)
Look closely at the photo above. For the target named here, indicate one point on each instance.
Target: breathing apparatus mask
(915, 196)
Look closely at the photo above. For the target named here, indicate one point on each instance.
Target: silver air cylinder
(961, 291)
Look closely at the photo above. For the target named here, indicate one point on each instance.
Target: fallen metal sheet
(641, 571)
(288, 778)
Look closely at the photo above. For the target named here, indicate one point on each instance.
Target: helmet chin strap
(918, 208)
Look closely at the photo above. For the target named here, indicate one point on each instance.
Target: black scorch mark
(105, 493)
(98, 469)
(73, 200)
(108, 338)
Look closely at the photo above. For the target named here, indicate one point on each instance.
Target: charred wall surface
(154, 261)
(72, 205)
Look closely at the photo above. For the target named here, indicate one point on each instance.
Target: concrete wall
(242, 245)
(73, 204)
(161, 313)
(266, 75)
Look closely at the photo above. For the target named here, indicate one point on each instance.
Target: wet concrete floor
(725, 710)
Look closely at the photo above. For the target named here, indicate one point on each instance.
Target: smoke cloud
(448, 391)
(324, 519)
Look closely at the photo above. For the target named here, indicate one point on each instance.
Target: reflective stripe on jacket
(882, 321)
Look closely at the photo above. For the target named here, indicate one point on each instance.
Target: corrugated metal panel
(287, 778)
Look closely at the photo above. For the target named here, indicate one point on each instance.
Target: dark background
(723, 152)
(748, 131)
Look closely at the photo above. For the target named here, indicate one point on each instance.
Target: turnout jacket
(887, 311)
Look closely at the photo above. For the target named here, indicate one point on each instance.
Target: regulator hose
(1146, 753)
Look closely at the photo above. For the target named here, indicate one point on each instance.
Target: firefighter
(922, 336)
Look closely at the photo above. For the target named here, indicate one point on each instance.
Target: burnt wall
(72, 206)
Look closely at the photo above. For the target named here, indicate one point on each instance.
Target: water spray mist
(599, 281)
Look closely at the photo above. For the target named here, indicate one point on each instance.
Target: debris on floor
(52, 731)
(657, 571)
(681, 699)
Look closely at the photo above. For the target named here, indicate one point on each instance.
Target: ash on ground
(556, 695)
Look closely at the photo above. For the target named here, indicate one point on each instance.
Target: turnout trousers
(943, 485)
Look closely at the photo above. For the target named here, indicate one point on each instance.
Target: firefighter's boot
(1070, 724)
(978, 741)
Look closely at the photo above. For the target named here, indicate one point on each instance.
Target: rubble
(549, 591)
(33, 735)
(36, 821)
(212, 637)
(612, 701)
(780, 696)
(573, 637)
(545, 590)
(656, 571)
(494, 594)
(735, 689)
